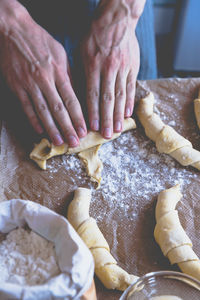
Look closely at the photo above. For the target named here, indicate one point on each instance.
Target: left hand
(111, 60)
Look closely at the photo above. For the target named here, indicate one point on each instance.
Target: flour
(133, 175)
(142, 172)
(26, 258)
(132, 168)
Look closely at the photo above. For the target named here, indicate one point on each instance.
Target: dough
(170, 235)
(91, 235)
(166, 297)
(166, 138)
(45, 150)
(197, 109)
(167, 201)
(106, 268)
(178, 254)
(87, 151)
(93, 163)
(191, 267)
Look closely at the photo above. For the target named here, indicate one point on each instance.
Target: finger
(130, 94)
(120, 100)
(59, 112)
(93, 93)
(44, 114)
(107, 102)
(72, 106)
(29, 110)
(68, 70)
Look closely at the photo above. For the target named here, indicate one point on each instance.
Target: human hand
(36, 68)
(111, 60)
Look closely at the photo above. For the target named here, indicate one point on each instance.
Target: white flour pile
(26, 258)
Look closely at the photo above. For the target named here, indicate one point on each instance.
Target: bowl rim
(192, 280)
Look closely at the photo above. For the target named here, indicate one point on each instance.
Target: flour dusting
(140, 173)
(134, 173)
(132, 168)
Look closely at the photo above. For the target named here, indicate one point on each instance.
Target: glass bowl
(163, 285)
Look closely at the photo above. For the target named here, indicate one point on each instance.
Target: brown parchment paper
(134, 173)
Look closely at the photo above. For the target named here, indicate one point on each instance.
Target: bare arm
(36, 69)
(111, 58)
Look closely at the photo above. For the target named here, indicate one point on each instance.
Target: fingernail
(107, 133)
(127, 112)
(118, 126)
(81, 131)
(95, 125)
(73, 141)
(57, 140)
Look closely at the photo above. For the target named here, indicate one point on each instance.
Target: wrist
(136, 8)
(11, 14)
(113, 11)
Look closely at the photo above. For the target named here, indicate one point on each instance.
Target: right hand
(36, 69)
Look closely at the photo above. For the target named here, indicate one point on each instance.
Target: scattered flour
(134, 172)
(27, 258)
(172, 123)
(139, 173)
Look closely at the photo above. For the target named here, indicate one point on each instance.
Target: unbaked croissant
(45, 150)
(166, 138)
(106, 268)
(197, 109)
(170, 235)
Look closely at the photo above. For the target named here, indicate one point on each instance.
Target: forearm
(113, 20)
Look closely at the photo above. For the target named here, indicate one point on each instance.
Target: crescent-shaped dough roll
(181, 254)
(106, 268)
(187, 156)
(166, 297)
(170, 235)
(45, 150)
(91, 235)
(197, 109)
(167, 201)
(110, 273)
(166, 138)
(78, 210)
(191, 268)
(114, 277)
(102, 257)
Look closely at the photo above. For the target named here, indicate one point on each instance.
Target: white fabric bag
(74, 258)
